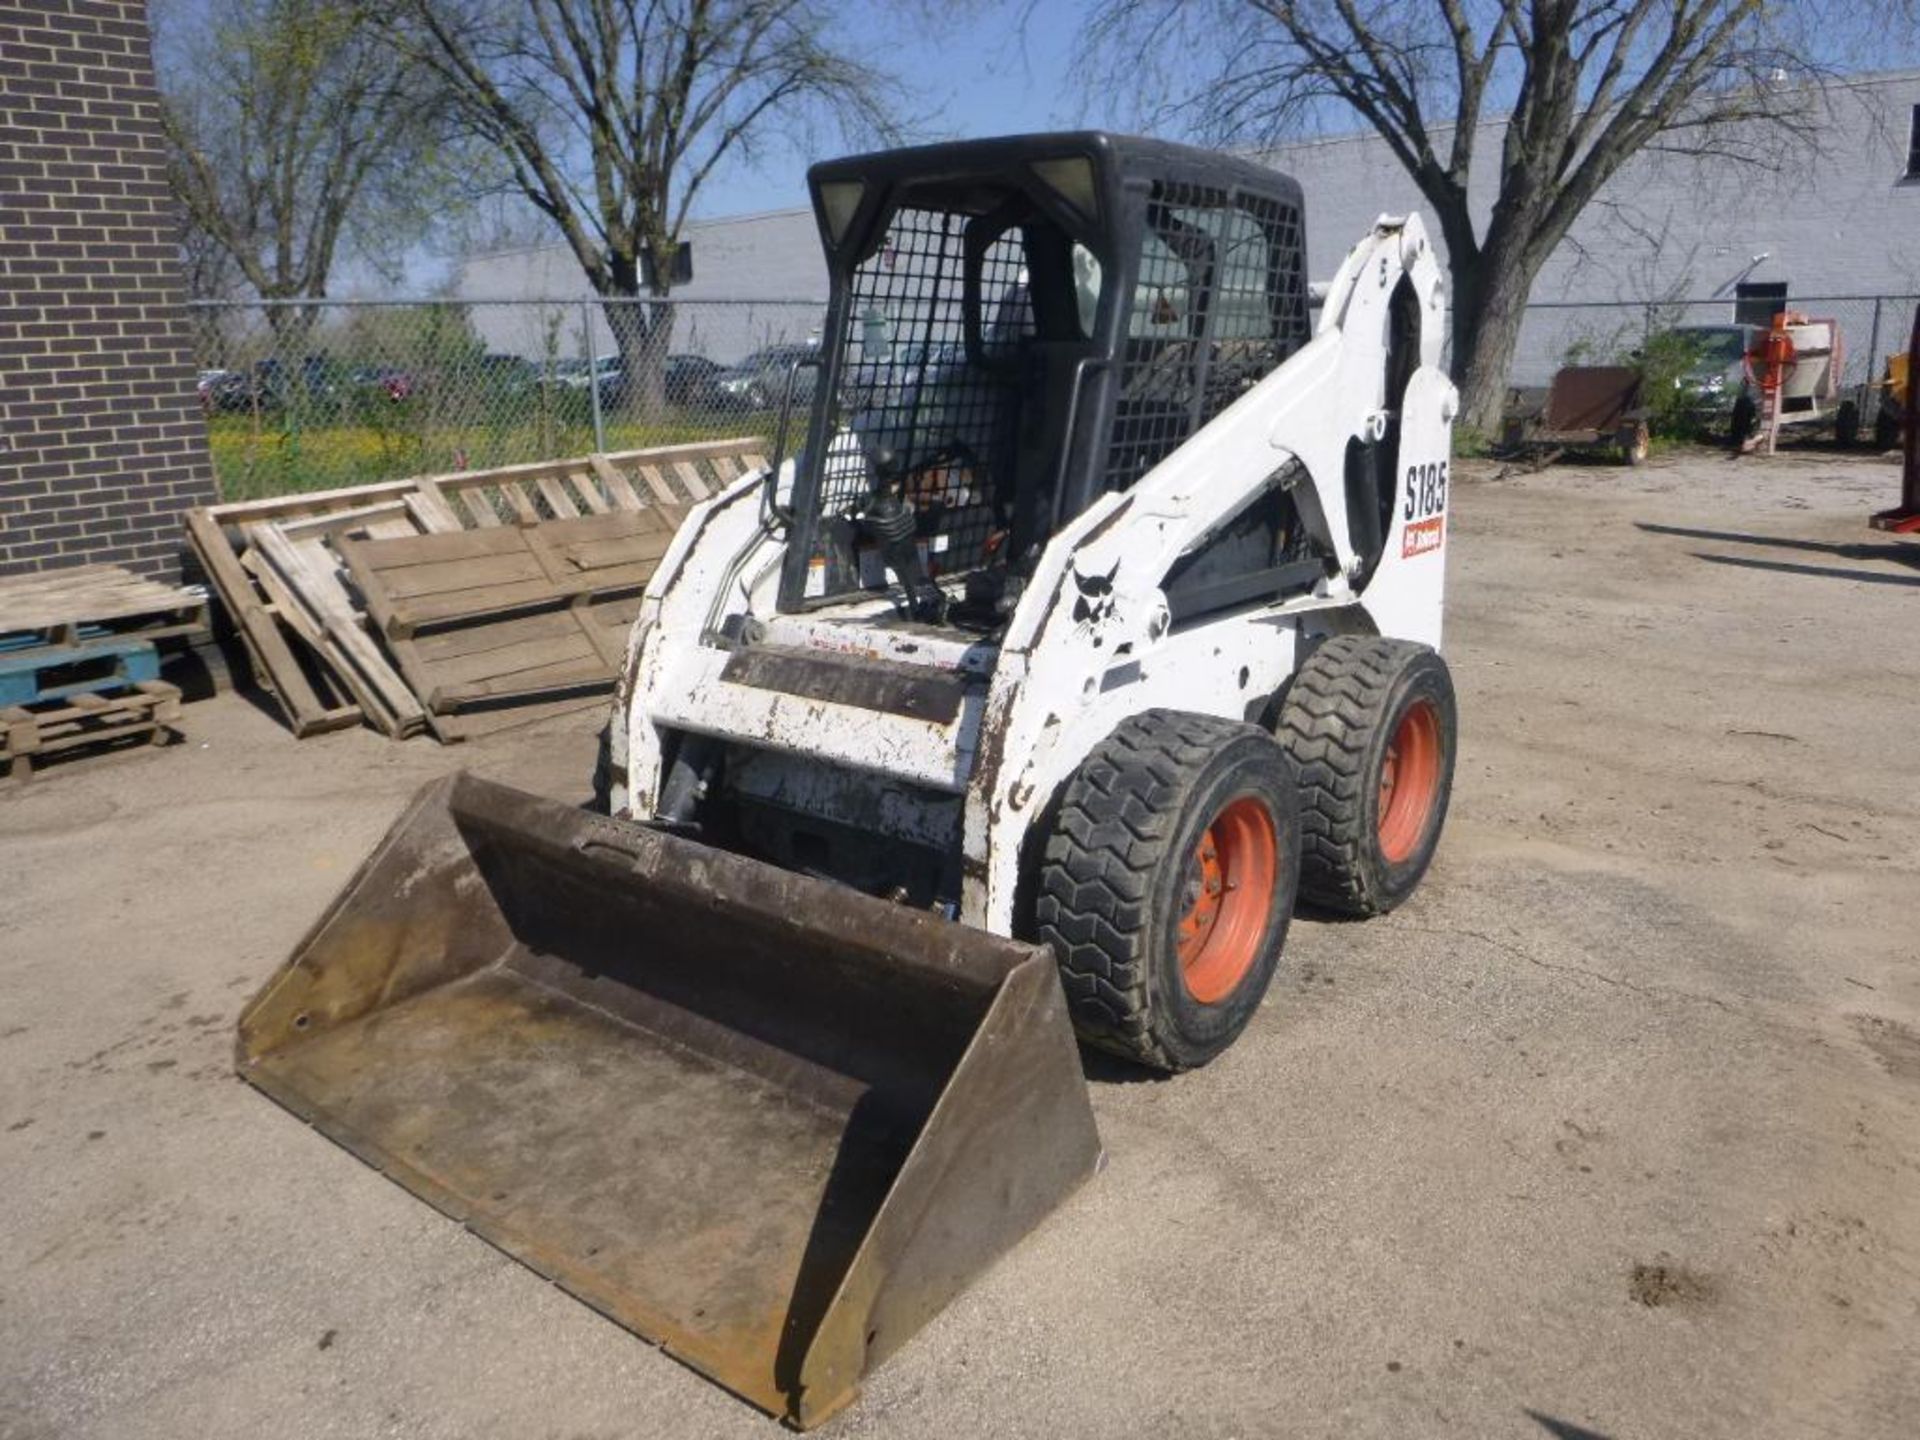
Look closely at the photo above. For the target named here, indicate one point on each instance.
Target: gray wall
(1844, 221)
(748, 274)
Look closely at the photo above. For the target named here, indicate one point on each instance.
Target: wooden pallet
(509, 615)
(55, 608)
(32, 673)
(298, 619)
(150, 708)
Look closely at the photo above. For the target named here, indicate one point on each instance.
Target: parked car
(469, 377)
(759, 381)
(211, 384)
(578, 373)
(385, 380)
(1708, 363)
(694, 381)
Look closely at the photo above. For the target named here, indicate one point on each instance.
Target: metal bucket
(768, 1123)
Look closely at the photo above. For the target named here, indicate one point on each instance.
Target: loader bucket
(768, 1123)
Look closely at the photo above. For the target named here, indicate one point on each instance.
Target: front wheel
(1168, 882)
(1372, 726)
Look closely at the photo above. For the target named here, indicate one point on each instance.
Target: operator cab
(1017, 326)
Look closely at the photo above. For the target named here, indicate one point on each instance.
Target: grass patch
(277, 454)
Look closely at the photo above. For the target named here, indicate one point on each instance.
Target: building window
(1756, 303)
(1913, 146)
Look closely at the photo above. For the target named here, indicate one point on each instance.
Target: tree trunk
(1489, 305)
(292, 329)
(643, 330)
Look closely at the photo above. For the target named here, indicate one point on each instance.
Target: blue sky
(967, 69)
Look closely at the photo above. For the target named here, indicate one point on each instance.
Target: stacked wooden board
(78, 665)
(460, 603)
(150, 709)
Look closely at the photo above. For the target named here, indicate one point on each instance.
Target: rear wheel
(1636, 444)
(1167, 884)
(1743, 422)
(1886, 426)
(1371, 725)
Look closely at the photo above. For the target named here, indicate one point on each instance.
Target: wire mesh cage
(318, 395)
(911, 399)
(1219, 300)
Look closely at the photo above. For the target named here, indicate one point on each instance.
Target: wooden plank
(299, 619)
(619, 489)
(479, 508)
(152, 710)
(509, 574)
(431, 509)
(301, 527)
(446, 579)
(558, 501)
(309, 502)
(690, 477)
(314, 502)
(518, 501)
(581, 481)
(447, 649)
(274, 663)
(414, 550)
(91, 594)
(314, 583)
(656, 483)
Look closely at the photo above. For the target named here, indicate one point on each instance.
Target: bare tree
(291, 126)
(1586, 85)
(610, 115)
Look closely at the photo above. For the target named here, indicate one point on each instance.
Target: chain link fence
(313, 396)
(1597, 333)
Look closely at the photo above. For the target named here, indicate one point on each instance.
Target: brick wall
(101, 440)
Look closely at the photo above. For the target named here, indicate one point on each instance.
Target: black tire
(1347, 708)
(1636, 445)
(1746, 416)
(1119, 885)
(1886, 426)
(602, 802)
(1846, 425)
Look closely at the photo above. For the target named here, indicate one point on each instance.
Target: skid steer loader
(1093, 615)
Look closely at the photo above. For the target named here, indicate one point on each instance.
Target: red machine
(1795, 369)
(1904, 518)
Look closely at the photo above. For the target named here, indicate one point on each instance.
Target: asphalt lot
(1614, 1128)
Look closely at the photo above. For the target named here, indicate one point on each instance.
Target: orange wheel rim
(1229, 896)
(1409, 781)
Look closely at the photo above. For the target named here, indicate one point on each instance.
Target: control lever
(890, 520)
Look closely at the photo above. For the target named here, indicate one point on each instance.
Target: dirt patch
(1897, 1044)
(1664, 1283)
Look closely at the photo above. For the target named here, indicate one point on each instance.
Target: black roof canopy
(973, 177)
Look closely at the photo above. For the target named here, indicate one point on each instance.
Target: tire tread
(1115, 820)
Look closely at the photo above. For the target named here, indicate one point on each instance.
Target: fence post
(593, 377)
(1873, 349)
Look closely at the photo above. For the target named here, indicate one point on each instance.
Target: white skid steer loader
(1094, 616)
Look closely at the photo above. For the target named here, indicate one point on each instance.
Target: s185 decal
(1425, 508)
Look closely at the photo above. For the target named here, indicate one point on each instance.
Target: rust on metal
(1591, 400)
(768, 1123)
